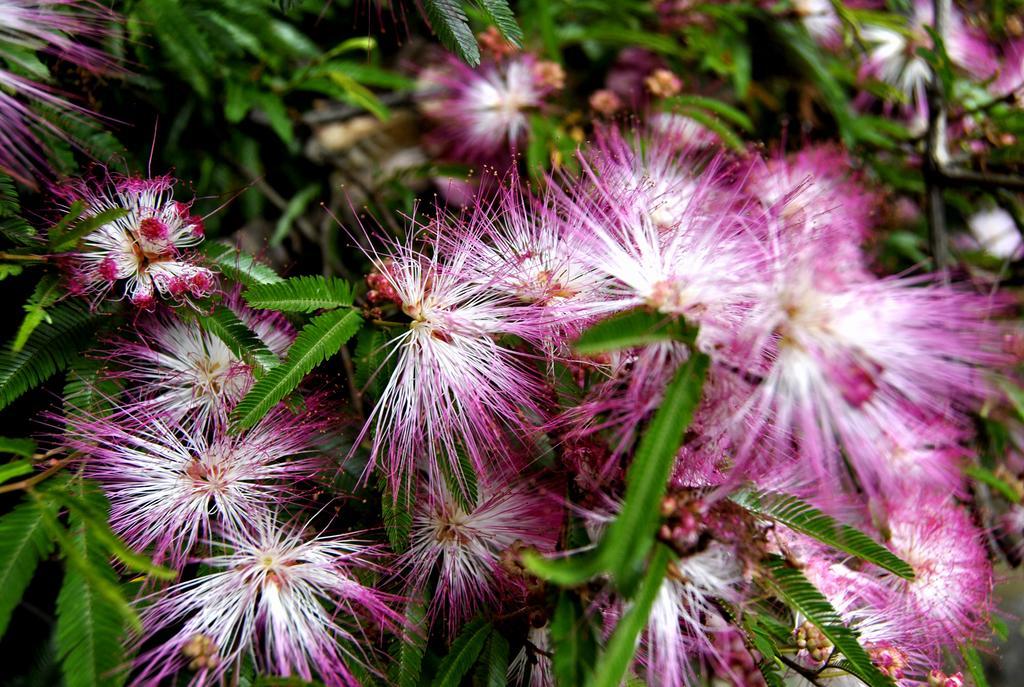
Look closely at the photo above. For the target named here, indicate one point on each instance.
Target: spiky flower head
(483, 111)
(146, 250)
(170, 482)
(952, 585)
(859, 364)
(455, 388)
(57, 27)
(295, 605)
(181, 370)
(471, 545)
(669, 231)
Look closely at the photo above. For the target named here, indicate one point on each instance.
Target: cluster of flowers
(850, 390)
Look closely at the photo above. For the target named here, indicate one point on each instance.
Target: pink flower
(145, 249)
(169, 483)
(50, 26)
(454, 386)
(181, 370)
(952, 587)
(483, 111)
(296, 606)
(859, 365)
(473, 547)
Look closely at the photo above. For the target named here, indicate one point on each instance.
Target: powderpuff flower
(893, 57)
(483, 111)
(1011, 73)
(816, 186)
(145, 249)
(681, 242)
(858, 364)
(181, 370)
(291, 604)
(170, 483)
(684, 618)
(472, 547)
(454, 387)
(55, 27)
(518, 245)
(952, 585)
(821, 20)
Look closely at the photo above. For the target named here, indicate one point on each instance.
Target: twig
(32, 481)
(23, 257)
(339, 113)
(809, 675)
(936, 157)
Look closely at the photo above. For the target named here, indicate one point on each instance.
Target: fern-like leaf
(52, 346)
(797, 591)
(319, 340)
(238, 265)
(405, 672)
(806, 519)
(463, 654)
(243, 342)
(500, 14)
(24, 540)
(301, 294)
(448, 20)
(89, 628)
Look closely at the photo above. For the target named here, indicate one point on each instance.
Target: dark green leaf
(24, 541)
(448, 20)
(500, 14)
(301, 294)
(495, 662)
(463, 654)
(322, 338)
(406, 672)
(806, 519)
(636, 327)
(575, 640)
(242, 341)
(18, 447)
(238, 265)
(69, 238)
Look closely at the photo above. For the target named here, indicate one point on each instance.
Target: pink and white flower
(485, 110)
(181, 370)
(467, 544)
(146, 249)
(297, 606)
(454, 387)
(171, 484)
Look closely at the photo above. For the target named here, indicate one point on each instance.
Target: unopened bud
(662, 83)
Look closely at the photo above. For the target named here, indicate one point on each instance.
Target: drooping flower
(469, 545)
(169, 483)
(821, 20)
(996, 232)
(56, 27)
(483, 111)
(179, 369)
(893, 56)
(952, 585)
(295, 606)
(455, 388)
(859, 365)
(146, 249)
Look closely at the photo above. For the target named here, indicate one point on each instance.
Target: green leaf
(24, 541)
(986, 476)
(723, 110)
(974, 666)
(239, 265)
(89, 627)
(296, 206)
(49, 349)
(448, 20)
(717, 126)
(18, 447)
(88, 390)
(573, 635)
(75, 211)
(495, 662)
(242, 341)
(397, 514)
(627, 539)
(500, 14)
(463, 654)
(15, 468)
(79, 228)
(406, 672)
(322, 338)
(45, 294)
(10, 270)
(806, 519)
(792, 587)
(637, 327)
(614, 661)
(91, 509)
(301, 294)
